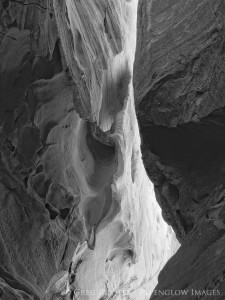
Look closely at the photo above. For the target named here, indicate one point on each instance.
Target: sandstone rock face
(179, 94)
(78, 217)
(179, 60)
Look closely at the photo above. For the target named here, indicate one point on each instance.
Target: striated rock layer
(78, 217)
(179, 94)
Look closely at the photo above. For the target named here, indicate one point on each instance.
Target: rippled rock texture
(77, 210)
(179, 93)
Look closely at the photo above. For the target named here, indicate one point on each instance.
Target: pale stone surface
(78, 211)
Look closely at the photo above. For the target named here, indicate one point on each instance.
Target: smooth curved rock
(78, 213)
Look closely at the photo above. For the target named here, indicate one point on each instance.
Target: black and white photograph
(112, 149)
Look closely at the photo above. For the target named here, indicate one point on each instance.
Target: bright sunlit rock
(127, 241)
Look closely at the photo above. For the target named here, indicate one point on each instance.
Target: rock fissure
(73, 185)
(179, 94)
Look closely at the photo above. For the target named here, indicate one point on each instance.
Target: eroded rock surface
(179, 94)
(78, 217)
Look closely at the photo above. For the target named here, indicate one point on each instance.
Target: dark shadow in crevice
(52, 212)
(196, 150)
(45, 67)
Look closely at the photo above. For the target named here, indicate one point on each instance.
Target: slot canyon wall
(78, 214)
(179, 88)
(77, 210)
